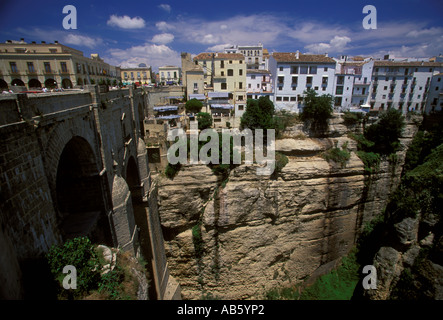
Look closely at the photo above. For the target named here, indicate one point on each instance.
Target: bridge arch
(79, 194)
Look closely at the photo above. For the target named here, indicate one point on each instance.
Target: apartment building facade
(259, 83)
(293, 73)
(169, 75)
(434, 101)
(352, 83)
(403, 85)
(139, 76)
(224, 74)
(256, 56)
(52, 65)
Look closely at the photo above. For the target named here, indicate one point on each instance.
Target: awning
(175, 97)
(218, 94)
(198, 96)
(169, 117)
(222, 106)
(165, 108)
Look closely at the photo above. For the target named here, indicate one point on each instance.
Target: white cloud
(336, 44)
(165, 7)
(219, 47)
(79, 40)
(164, 26)
(163, 38)
(126, 22)
(151, 54)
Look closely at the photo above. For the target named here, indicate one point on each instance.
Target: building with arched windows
(51, 65)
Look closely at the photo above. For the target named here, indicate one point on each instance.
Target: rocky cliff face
(259, 232)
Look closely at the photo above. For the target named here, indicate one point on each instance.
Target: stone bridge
(75, 164)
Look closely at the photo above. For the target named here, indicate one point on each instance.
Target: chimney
(297, 55)
(43, 41)
(56, 41)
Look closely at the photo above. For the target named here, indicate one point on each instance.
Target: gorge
(240, 236)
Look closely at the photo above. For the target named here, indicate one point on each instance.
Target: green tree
(193, 106)
(258, 115)
(385, 133)
(317, 109)
(204, 120)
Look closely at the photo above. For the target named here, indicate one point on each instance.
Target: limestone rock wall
(260, 233)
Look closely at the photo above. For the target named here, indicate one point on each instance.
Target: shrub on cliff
(317, 109)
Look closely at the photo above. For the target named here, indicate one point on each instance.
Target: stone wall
(36, 131)
(259, 232)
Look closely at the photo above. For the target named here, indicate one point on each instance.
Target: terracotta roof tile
(384, 63)
(219, 55)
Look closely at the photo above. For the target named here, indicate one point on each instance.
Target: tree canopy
(193, 106)
(204, 120)
(317, 109)
(258, 115)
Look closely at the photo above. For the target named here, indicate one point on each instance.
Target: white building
(352, 83)
(259, 83)
(435, 95)
(255, 56)
(402, 85)
(293, 73)
(169, 74)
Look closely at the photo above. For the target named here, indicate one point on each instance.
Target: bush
(258, 114)
(371, 160)
(338, 155)
(281, 161)
(172, 169)
(79, 253)
(204, 120)
(352, 118)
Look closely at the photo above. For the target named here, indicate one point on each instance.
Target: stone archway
(66, 84)
(34, 83)
(50, 83)
(17, 82)
(3, 85)
(79, 194)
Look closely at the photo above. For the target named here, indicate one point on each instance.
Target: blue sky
(129, 32)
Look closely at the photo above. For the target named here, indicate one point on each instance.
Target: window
(249, 86)
(230, 61)
(195, 85)
(230, 72)
(253, 77)
(325, 69)
(31, 67)
(324, 80)
(278, 98)
(240, 98)
(313, 70)
(240, 72)
(222, 64)
(294, 81)
(339, 90)
(294, 70)
(315, 88)
(240, 107)
(340, 80)
(338, 101)
(384, 96)
(281, 68)
(240, 85)
(47, 66)
(63, 67)
(280, 80)
(385, 88)
(222, 73)
(436, 88)
(241, 62)
(13, 66)
(293, 99)
(223, 86)
(309, 80)
(125, 74)
(175, 74)
(285, 98)
(303, 70)
(438, 79)
(138, 74)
